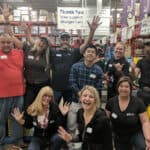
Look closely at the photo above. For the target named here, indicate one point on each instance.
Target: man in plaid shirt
(86, 73)
(83, 73)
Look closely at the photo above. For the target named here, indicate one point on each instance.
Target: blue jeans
(38, 143)
(136, 140)
(6, 107)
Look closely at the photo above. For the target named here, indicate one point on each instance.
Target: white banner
(77, 17)
(70, 17)
(104, 28)
(104, 14)
(145, 27)
(124, 34)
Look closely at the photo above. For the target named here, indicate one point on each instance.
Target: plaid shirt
(81, 75)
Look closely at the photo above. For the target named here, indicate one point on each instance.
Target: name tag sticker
(30, 57)
(93, 76)
(76, 132)
(110, 65)
(34, 123)
(130, 114)
(52, 121)
(89, 130)
(3, 57)
(58, 55)
(114, 115)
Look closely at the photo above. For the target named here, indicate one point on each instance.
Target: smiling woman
(90, 96)
(38, 107)
(93, 125)
(129, 118)
(45, 117)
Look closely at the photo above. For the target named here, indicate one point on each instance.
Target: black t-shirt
(125, 122)
(61, 61)
(113, 74)
(35, 71)
(144, 65)
(100, 63)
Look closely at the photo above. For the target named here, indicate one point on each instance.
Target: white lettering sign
(70, 17)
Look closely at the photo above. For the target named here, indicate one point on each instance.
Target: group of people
(34, 80)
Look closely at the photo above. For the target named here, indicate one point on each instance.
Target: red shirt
(11, 73)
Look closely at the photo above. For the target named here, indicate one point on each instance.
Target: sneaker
(15, 147)
(23, 145)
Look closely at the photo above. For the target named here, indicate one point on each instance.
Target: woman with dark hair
(37, 68)
(129, 118)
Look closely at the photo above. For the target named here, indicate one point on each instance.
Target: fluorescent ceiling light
(14, 0)
(70, 1)
(118, 9)
(24, 8)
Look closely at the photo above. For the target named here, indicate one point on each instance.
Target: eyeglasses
(120, 49)
(47, 95)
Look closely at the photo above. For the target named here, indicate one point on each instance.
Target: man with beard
(11, 88)
(63, 58)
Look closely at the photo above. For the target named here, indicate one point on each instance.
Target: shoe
(15, 147)
(23, 145)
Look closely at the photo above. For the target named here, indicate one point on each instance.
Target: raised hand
(64, 108)
(25, 27)
(5, 11)
(147, 144)
(8, 30)
(93, 26)
(119, 66)
(37, 45)
(95, 23)
(64, 134)
(18, 115)
(27, 30)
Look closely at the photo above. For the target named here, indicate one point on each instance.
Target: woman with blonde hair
(45, 117)
(93, 125)
(37, 106)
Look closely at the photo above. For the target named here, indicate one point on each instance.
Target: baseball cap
(64, 34)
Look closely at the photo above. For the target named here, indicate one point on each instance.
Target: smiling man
(86, 73)
(83, 73)
(63, 58)
(11, 87)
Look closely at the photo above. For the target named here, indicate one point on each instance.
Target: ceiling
(51, 5)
